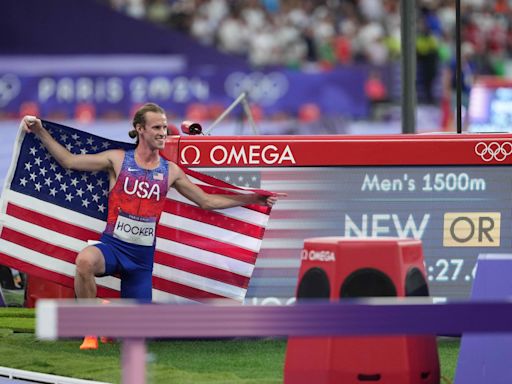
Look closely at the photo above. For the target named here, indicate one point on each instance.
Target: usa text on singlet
(136, 201)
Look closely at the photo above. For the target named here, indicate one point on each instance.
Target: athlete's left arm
(180, 181)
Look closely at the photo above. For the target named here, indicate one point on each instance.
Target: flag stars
(47, 156)
(43, 171)
(64, 187)
(83, 151)
(33, 176)
(38, 186)
(105, 144)
(68, 172)
(74, 182)
(69, 147)
(95, 198)
(85, 203)
(48, 181)
(63, 138)
(53, 192)
(80, 192)
(84, 177)
(53, 167)
(23, 182)
(90, 141)
(101, 208)
(100, 182)
(90, 187)
(38, 161)
(28, 166)
(75, 136)
(58, 176)
(33, 151)
(69, 197)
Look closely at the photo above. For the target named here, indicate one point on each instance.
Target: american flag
(48, 214)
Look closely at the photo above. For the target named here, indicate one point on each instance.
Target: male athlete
(139, 180)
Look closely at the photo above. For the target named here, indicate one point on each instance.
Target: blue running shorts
(134, 264)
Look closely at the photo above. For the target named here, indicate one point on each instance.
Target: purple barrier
(134, 323)
(486, 358)
(67, 319)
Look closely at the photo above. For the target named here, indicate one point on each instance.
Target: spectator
(450, 85)
(233, 35)
(308, 32)
(158, 11)
(136, 8)
(427, 50)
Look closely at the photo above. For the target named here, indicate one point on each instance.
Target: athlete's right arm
(94, 162)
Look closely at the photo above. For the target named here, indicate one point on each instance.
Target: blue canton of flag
(38, 174)
(244, 179)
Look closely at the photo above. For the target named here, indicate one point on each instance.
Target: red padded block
(336, 267)
(39, 288)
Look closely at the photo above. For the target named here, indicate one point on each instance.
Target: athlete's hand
(272, 199)
(31, 124)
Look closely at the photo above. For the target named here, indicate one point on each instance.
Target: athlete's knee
(87, 263)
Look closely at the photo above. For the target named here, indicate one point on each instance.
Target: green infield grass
(232, 361)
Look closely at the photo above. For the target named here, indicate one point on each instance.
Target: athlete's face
(154, 132)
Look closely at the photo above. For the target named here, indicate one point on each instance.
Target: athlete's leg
(90, 262)
(137, 284)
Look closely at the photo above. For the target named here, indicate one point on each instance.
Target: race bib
(135, 229)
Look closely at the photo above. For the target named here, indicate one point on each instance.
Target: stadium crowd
(322, 34)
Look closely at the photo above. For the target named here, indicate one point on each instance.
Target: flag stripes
(204, 270)
(200, 215)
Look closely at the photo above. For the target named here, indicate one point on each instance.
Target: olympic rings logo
(263, 88)
(493, 151)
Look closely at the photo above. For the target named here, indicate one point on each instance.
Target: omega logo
(252, 154)
(318, 255)
(195, 154)
(245, 155)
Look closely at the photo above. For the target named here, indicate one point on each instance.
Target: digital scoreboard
(453, 192)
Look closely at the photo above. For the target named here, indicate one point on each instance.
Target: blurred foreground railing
(134, 323)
